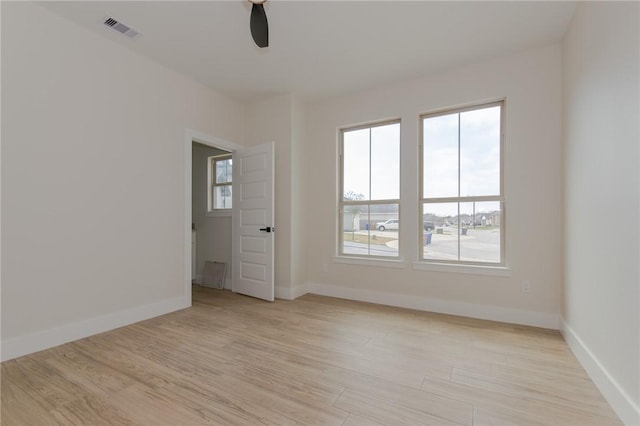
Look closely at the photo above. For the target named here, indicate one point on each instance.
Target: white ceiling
(322, 48)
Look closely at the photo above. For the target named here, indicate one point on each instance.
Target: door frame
(191, 136)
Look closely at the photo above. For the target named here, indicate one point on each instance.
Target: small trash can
(464, 231)
(427, 238)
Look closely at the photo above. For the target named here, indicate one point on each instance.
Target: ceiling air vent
(120, 27)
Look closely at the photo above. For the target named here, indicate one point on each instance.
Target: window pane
(371, 230)
(222, 197)
(223, 171)
(385, 162)
(480, 234)
(356, 165)
(440, 146)
(440, 231)
(355, 237)
(480, 152)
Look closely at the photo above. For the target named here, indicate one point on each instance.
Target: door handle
(268, 229)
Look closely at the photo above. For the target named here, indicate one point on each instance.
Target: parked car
(429, 226)
(393, 224)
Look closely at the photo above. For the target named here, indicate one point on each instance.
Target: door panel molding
(253, 221)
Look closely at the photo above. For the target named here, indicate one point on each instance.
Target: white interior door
(253, 227)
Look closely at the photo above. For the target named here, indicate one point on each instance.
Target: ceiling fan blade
(259, 25)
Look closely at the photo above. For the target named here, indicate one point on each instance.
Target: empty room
(320, 212)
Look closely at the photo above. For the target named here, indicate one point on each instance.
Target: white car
(389, 224)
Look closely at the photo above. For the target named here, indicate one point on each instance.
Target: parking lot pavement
(352, 247)
(448, 236)
(481, 245)
(386, 234)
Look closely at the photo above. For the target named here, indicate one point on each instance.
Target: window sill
(219, 213)
(383, 263)
(496, 271)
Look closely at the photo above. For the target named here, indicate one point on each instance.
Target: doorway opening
(211, 215)
(208, 229)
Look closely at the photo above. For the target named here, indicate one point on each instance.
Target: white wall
(530, 82)
(92, 179)
(213, 233)
(601, 138)
(299, 198)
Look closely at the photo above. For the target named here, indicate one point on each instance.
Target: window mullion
(369, 208)
(459, 187)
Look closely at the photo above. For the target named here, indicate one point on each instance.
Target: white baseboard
(40, 340)
(487, 312)
(290, 293)
(620, 401)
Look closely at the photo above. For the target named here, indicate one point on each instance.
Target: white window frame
(342, 203)
(212, 184)
(441, 264)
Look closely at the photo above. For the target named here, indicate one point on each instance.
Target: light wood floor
(232, 359)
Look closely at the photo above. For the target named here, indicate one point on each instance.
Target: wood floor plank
(529, 362)
(516, 406)
(222, 407)
(386, 412)
(354, 420)
(431, 359)
(278, 380)
(567, 385)
(147, 406)
(299, 410)
(505, 416)
(41, 381)
(92, 411)
(235, 360)
(88, 374)
(20, 407)
(563, 398)
(131, 363)
(414, 399)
